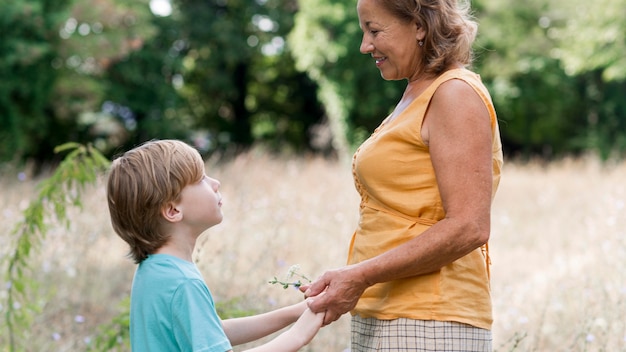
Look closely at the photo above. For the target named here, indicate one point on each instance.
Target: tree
(141, 88)
(99, 38)
(239, 79)
(325, 43)
(591, 36)
(53, 55)
(547, 66)
(28, 45)
(591, 41)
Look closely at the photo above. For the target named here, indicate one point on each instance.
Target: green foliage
(235, 73)
(53, 52)
(240, 81)
(79, 168)
(553, 76)
(233, 309)
(140, 93)
(105, 59)
(591, 37)
(325, 43)
(114, 336)
(28, 43)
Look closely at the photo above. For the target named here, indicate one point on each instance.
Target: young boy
(160, 201)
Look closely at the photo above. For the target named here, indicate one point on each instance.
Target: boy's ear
(171, 212)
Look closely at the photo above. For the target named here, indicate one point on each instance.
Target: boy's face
(201, 203)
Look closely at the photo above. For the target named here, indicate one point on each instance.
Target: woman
(418, 269)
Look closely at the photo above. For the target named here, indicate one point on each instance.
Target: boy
(160, 201)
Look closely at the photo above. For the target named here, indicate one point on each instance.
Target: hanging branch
(78, 169)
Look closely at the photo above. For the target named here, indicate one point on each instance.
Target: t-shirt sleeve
(194, 319)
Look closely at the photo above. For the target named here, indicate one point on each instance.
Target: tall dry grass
(558, 249)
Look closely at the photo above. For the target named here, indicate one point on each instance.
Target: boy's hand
(306, 326)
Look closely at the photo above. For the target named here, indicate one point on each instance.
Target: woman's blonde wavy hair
(450, 30)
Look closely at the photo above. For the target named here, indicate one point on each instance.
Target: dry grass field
(558, 250)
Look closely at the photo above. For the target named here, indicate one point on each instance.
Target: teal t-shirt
(171, 309)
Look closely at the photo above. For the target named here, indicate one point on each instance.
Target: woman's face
(391, 42)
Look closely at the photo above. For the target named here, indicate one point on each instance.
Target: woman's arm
(457, 129)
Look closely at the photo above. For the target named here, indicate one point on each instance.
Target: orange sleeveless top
(400, 199)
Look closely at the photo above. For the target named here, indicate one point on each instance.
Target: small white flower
(293, 270)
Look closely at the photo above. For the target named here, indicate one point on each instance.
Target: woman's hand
(341, 290)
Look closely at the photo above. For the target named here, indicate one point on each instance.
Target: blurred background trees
(286, 74)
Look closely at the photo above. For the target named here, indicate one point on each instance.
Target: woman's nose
(366, 46)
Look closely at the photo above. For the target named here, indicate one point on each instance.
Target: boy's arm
(299, 335)
(247, 329)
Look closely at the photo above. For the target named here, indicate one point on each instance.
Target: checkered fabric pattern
(370, 334)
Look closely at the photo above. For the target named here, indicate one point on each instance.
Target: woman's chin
(388, 77)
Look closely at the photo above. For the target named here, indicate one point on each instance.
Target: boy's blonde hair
(141, 182)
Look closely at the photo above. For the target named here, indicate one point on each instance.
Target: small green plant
(293, 278)
(114, 336)
(233, 309)
(80, 167)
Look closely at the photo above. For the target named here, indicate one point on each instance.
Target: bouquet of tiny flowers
(293, 278)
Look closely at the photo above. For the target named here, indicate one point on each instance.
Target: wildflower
(292, 273)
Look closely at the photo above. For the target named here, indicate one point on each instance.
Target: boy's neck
(178, 246)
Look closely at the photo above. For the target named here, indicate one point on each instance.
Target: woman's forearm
(442, 244)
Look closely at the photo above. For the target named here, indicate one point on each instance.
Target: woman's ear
(420, 32)
(171, 212)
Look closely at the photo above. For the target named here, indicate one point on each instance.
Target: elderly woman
(417, 277)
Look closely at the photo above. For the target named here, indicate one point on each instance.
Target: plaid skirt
(370, 334)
